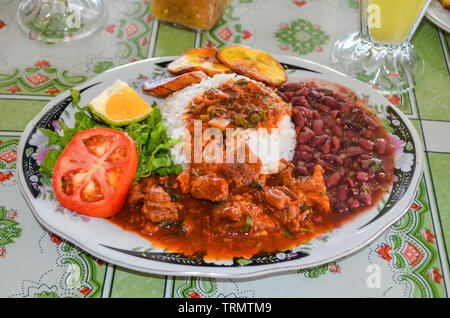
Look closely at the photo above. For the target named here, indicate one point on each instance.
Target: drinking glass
(381, 53)
(54, 21)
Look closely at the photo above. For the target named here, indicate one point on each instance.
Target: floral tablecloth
(411, 257)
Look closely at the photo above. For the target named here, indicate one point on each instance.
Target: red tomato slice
(94, 172)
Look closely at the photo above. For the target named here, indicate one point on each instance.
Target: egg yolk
(126, 104)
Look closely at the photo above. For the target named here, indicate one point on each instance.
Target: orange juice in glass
(381, 53)
(391, 21)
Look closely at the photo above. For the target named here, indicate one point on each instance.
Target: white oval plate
(438, 15)
(110, 243)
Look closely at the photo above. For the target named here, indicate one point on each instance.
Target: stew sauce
(343, 164)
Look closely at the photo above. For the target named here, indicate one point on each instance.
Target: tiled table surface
(411, 256)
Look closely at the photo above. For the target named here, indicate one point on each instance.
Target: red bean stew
(341, 133)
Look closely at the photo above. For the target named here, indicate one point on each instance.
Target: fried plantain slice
(198, 59)
(256, 64)
(167, 86)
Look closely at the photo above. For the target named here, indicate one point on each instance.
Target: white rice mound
(272, 146)
(269, 146)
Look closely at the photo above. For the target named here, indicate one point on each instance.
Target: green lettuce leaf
(150, 137)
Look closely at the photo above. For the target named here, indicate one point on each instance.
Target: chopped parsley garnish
(248, 224)
(173, 195)
(241, 122)
(241, 81)
(256, 184)
(375, 164)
